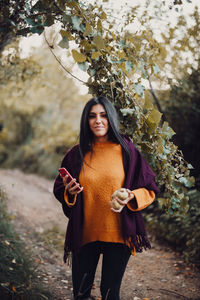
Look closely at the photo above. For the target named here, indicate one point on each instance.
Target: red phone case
(63, 172)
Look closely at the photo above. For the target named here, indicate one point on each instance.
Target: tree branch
(50, 47)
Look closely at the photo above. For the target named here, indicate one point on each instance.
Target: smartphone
(63, 172)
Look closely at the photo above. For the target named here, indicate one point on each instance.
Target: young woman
(103, 162)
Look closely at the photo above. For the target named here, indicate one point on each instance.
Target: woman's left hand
(123, 202)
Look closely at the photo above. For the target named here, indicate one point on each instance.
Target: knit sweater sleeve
(142, 199)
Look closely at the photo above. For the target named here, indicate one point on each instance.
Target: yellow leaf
(78, 57)
(154, 117)
(88, 29)
(103, 16)
(99, 25)
(99, 42)
(96, 55)
(121, 54)
(66, 34)
(87, 46)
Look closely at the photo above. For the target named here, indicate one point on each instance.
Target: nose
(98, 119)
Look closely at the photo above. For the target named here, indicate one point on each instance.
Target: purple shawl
(138, 174)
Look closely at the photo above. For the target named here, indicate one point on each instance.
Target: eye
(104, 116)
(91, 116)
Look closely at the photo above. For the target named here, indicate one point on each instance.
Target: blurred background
(41, 104)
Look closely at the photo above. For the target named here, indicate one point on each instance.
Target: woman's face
(98, 122)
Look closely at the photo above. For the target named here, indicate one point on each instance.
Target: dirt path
(155, 274)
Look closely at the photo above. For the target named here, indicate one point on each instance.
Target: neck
(101, 139)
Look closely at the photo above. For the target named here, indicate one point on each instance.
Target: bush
(180, 231)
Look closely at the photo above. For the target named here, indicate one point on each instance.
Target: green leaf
(84, 66)
(139, 89)
(30, 21)
(76, 21)
(49, 21)
(92, 72)
(167, 131)
(188, 182)
(156, 69)
(127, 111)
(64, 43)
(129, 66)
(67, 19)
(37, 29)
(190, 167)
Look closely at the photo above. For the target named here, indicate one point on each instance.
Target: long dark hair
(86, 135)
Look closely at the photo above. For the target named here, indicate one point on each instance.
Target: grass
(18, 275)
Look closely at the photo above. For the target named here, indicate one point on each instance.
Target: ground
(159, 273)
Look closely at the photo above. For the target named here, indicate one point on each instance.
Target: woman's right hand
(72, 187)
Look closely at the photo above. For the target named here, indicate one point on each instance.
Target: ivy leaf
(139, 89)
(154, 118)
(67, 18)
(96, 55)
(30, 21)
(188, 182)
(49, 21)
(37, 29)
(127, 111)
(78, 57)
(190, 167)
(167, 131)
(76, 21)
(66, 34)
(129, 66)
(92, 72)
(99, 25)
(84, 66)
(103, 16)
(99, 42)
(64, 43)
(88, 29)
(156, 69)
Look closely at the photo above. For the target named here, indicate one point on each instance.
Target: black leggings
(115, 259)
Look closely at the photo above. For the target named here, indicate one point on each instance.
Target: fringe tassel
(138, 243)
(67, 258)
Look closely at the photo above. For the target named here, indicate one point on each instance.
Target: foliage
(110, 59)
(181, 107)
(33, 112)
(180, 231)
(18, 278)
(183, 112)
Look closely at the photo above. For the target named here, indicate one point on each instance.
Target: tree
(39, 112)
(110, 59)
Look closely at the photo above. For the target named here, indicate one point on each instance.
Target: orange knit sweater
(103, 173)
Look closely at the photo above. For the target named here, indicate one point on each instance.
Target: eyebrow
(94, 113)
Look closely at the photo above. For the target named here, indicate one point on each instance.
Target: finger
(79, 191)
(117, 210)
(65, 179)
(122, 202)
(130, 194)
(76, 191)
(74, 187)
(72, 182)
